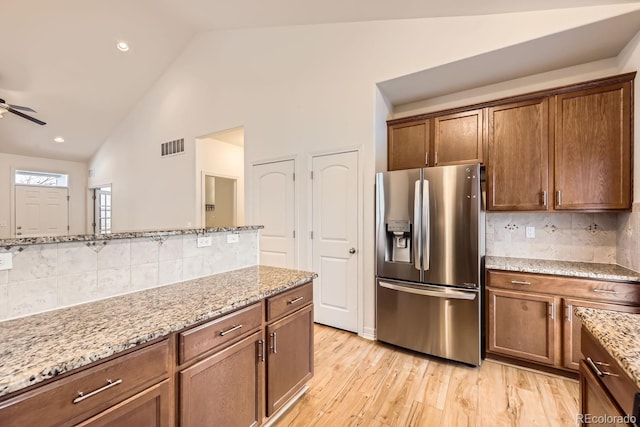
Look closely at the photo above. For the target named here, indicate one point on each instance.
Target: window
(102, 212)
(41, 178)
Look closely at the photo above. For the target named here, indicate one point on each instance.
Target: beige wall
(78, 193)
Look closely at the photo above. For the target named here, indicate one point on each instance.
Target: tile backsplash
(49, 276)
(585, 237)
(628, 253)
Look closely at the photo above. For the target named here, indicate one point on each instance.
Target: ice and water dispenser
(398, 240)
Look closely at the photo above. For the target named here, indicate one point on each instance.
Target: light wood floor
(363, 383)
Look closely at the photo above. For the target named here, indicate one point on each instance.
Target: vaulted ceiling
(59, 57)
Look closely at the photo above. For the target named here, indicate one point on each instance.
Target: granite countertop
(619, 334)
(41, 346)
(23, 241)
(563, 268)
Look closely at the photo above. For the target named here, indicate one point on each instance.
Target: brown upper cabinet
(593, 149)
(518, 156)
(458, 138)
(408, 145)
(566, 148)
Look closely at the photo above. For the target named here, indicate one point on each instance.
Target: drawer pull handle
(597, 370)
(520, 282)
(274, 342)
(231, 329)
(605, 291)
(295, 300)
(82, 396)
(261, 350)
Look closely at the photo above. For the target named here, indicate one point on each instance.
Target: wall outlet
(233, 238)
(6, 261)
(204, 241)
(530, 232)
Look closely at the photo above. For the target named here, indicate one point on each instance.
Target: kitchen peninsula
(148, 354)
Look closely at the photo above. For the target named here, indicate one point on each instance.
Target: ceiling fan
(4, 107)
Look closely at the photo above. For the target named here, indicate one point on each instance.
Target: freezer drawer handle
(520, 282)
(445, 293)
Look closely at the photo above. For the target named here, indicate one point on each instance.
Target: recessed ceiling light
(58, 139)
(122, 46)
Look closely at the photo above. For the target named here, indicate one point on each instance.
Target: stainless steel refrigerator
(430, 251)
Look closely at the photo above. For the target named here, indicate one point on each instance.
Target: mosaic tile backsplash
(49, 276)
(584, 237)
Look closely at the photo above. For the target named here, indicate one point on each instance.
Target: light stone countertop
(42, 346)
(563, 268)
(619, 334)
(25, 241)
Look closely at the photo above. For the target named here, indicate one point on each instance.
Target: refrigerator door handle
(431, 291)
(417, 246)
(426, 226)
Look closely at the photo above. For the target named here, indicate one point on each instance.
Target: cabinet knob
(352, 251)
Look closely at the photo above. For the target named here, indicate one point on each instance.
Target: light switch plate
(204, 241)
(6, 261)
(233, 238)
(530, 232)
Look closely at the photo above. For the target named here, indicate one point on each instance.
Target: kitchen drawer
(613, 378)
(599, 290)
(201, 339)
(89, 392)
(289, 301)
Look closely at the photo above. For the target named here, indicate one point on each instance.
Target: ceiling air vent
(172, 148)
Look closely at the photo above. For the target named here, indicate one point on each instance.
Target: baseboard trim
(274, 418)
(369, 334)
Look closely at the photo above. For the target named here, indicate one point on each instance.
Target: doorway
(220, 199)
(220, 179)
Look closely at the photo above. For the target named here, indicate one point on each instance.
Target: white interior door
(335, 238)
(41, 211)
(273, 206)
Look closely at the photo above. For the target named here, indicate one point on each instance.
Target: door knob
(352, 250)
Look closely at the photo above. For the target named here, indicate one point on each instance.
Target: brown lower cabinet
(235, 370)
(290, 359)
(225, 389)
(530, 317)
(596, 404)
(606, 390)
(149, 408)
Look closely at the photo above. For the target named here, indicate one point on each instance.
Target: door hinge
(68, 197)
(68, 228)
(311, 174)
(311, 235)
(294, 234)
(294, 176)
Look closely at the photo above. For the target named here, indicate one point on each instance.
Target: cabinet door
(595, 402)
(408, 145)
(459, 138)
(149, 408)
(571, 353)
(522, 325)
(290, 360)
(593, 149)
(518, 156)
(224, 389)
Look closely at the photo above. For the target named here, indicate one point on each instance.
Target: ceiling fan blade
(19, 107)
(33, 119)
